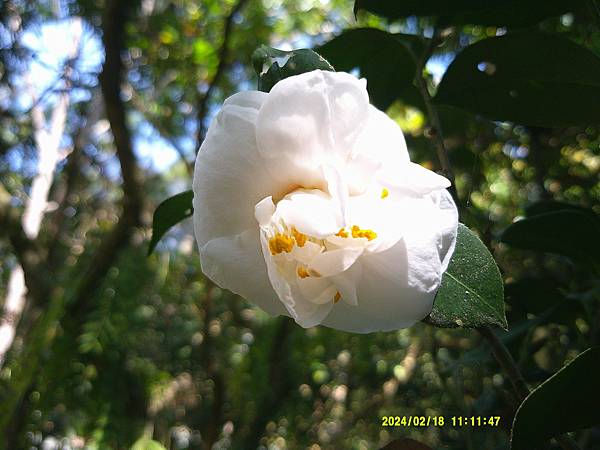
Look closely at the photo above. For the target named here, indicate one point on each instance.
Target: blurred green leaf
(471, 294)
(532, 295)
(204, 52)
(529, 78)
(145, 443)
(273, 65)
(542, 298)
(501, 13)
(169, 213)
(567, 401)
(546, 206)
(567, 232)
(384, 59)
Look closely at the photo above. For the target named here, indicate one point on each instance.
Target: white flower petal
(315, 290)
(381, 140)
(429, 236)
(310, 119)
(306, 253)
(237, 263)
(385, 300)
(334, 262)
(346, 282)
(338, 189)
(308, 314)
(247, 99)
(359, 173)
(230, 177)
(447, 220)
(304, 312)
(412, 178)
(264, 210)
(311, 212)
(382, 215)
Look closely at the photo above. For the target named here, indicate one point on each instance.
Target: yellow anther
(384, 193)
(358, 233)
(337, 297)
(342, 233)
(281, 243)
(302, 272)
(300, 238)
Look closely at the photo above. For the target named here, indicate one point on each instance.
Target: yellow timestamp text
(440, 421)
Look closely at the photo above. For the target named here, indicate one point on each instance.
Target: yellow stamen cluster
(337, 297)
(357, 232)
(300, 238)
(281, 243)
(384, 193)
(285, 243)
(342, 233)
(302, 272)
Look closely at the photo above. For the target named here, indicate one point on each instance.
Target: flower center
(305, 254)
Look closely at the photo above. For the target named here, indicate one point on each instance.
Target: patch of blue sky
(47, 42)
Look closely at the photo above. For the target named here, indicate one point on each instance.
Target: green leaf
(567, 401)
(532, 295)
(169, 213)
(499, 12)
(384, 59)
(145, 443)
(273, 65)
(541, 297)
(546, 206)
(530, 78)
(471, 294)
(568, 232)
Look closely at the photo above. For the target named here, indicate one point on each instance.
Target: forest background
(103, 105)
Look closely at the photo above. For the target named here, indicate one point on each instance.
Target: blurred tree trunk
(47, 137)
(23, 365)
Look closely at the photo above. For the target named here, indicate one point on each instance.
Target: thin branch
(436, 132)
(506, 362)
(223, 56)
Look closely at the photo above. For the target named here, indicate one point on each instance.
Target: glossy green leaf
(384, 59)
(471, 294)
(499, 12)
(169, 213)
(273, 65)
(529, 78)
(567, 401)
(567, 232)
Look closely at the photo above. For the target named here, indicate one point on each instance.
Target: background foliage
(114, 349)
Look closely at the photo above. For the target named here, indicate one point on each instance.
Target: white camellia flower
(306, 203)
